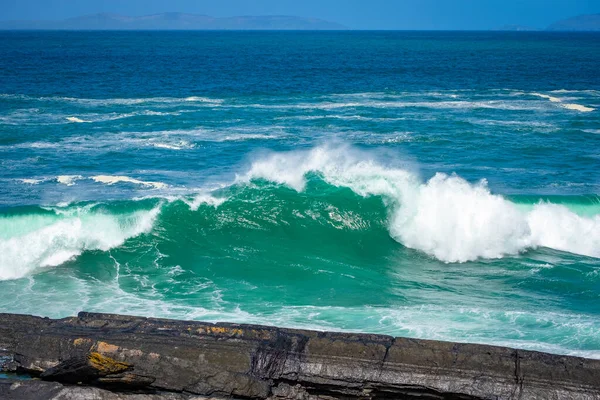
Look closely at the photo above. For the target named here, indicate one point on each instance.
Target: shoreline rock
(188, 359)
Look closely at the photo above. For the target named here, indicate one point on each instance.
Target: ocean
(438, 185)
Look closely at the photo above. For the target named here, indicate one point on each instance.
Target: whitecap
(204, 198)
(68, 180)
(30, 181)
(545, 96)
(570, 106)
(203, 99)
(75, 119)
(578, 107)
(174, 146)
(113, 179)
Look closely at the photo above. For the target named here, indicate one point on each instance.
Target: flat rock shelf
(198, 360)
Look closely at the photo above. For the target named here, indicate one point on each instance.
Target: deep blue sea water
(441, 185)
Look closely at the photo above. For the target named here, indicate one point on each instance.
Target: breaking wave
(36, 240)
(446, 216)
(329, 190)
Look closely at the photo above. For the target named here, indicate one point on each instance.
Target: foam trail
(115, 101)
(446, 217)
(576, 107)
(176, 146)
(75, 119)
(28, 242)
(113, 179)
(545, 96)
(31, 181)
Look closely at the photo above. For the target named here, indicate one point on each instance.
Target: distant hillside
(176, 21)
(590, 22)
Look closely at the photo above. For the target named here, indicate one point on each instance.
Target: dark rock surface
(37, 390)
(190, 359)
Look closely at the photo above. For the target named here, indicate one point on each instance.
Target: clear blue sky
(358, 14)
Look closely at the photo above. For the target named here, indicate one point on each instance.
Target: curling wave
(446, 217)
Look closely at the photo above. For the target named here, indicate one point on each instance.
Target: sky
(356, 14)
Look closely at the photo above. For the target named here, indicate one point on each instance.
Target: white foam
(204, 198)
(341, 117)
(545, 96)
(383, 104)
(569, 106)
(203, 99)
(446, 217)
(75, 119)
(40, 145)
(586, 91)
(555, 226)
(113, 179)
(174, 146)
(33, 242)
(245, 136)
(117, 101)
(68, 180)
(578, 107)
(200, 134)
(31, 181)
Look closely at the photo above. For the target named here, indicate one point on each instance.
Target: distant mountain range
(176, 21)
(182, 21)
(589, 22)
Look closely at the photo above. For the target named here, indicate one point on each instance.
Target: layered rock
(188, 359)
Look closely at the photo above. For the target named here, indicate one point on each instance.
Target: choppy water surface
(432, 185)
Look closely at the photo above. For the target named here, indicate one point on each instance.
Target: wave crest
(52, 239)
(445, 217)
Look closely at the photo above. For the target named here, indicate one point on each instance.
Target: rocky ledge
(104, 356)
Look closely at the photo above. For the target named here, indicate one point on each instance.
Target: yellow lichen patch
(82, 341)
(107, 365)
(103, 347)
(220, 330)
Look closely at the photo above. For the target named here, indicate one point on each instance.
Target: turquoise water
(432, 185)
